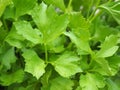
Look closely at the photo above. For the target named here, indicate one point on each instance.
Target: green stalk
(5, 25)
(95, 16)
(69, 4)
(89, 8)
(68, 9)
(92, 17)
(109, 0)
(46, 54)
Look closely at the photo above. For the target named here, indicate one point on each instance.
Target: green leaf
(79, 33)
(91, 81)
(81, 23)
(100, 30)
(108, 48)
(113, 8)
(79, 88)
(114, 60)
(80, 27)
(9, 12)
(8, 57)
(111, 85)
(65, 65)
(58, 3)
(57, 45)
(23, 6)
(14, 77)
(114, 63)
(31, 86)
(59, 83)
(104, 64)
(46, 78)
(33, 63)
(3, 34)
(25, 29)
(49, 23)
(3, 4)
(83, 46)
(84, 63)
(0, 23)
(14, 39)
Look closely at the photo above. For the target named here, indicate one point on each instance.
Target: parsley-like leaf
(25, 29)
(91, 81)
(15, 77)
(23, 6)
(65, 65)
(58, 3)
(3, 4)
(33, 63)
(79, 33)
(8, 57)
(109, 47)
(49, 23)
(59, 83)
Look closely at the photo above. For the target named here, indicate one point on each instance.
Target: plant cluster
(60, 44)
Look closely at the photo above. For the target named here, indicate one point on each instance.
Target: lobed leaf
(79, 33)
(3, 34)
(111, 85)
(109, 47)
(59, 83)
(91, 81)
(59, 3)
(23, 6)
(114, 63)
(33, 63)
(14, 39)
(65, 65)
(104, 64)
(8, 57)
(49, 23)
(3, 4)
(25, 29)
(101, 31)
(15, 77)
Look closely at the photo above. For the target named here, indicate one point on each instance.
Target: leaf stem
(5, 25)
(46, 54)
(68, 9)
(109, 0)
(91, 3)
(95, 16)
(91, 17)
(69, 4)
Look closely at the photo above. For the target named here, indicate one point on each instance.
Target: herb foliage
(60, 44)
